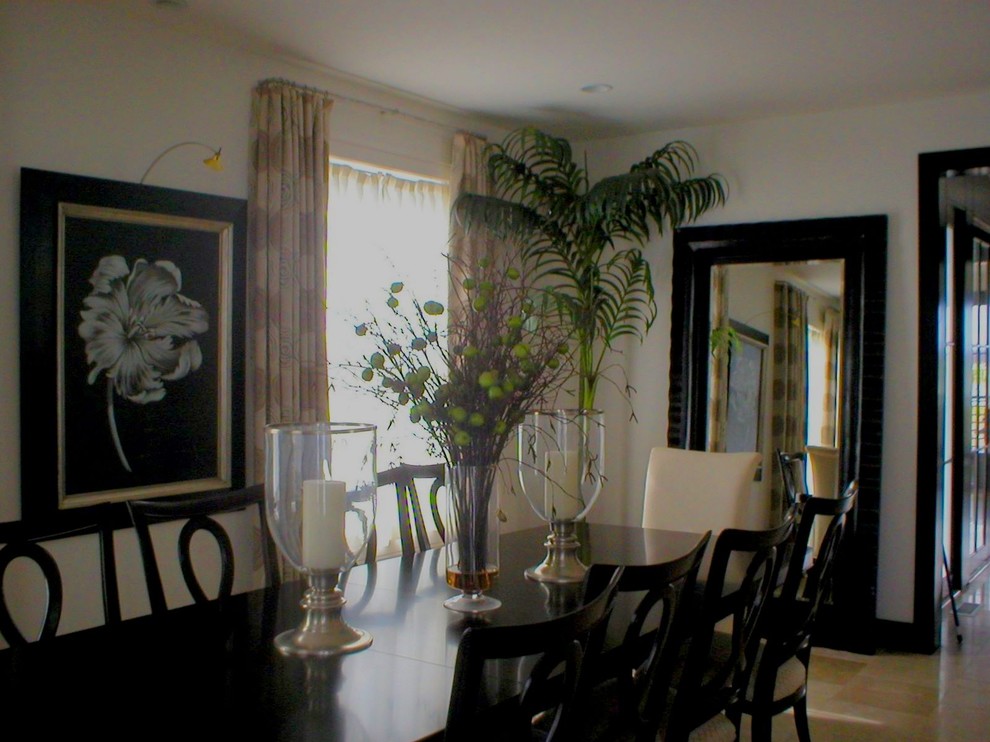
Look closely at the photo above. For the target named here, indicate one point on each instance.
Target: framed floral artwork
(132, 342)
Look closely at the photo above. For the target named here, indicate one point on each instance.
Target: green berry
(520, 350)
(495, 392)
(403, 398)
(433, 308)
(553, 363)
(469, 283)
(487, 379)
(418, 344)
(431, 337)
(377, 360)
(458, 414)
(562, 348)
(476, 420)
(500, 427)
(361, 330)
(514, 322)
(367, 374)
(414, 416)
(392, 302)
(462, 438)
(484, 262)
(393, 348)
(396, 287)
(479, 303)
(512, 273)
(471, 351)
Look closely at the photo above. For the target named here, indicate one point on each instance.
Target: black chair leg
(762, 727)
(801, 719)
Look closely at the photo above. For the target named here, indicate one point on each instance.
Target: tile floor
(897, 697)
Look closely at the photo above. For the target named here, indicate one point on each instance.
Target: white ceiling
(673, 63)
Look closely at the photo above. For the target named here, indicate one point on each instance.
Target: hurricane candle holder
(320, 495)
(561, 466)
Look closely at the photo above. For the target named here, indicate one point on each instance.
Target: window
(382, 228)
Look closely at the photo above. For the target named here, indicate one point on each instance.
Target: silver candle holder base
(323, 632)
(561, 563)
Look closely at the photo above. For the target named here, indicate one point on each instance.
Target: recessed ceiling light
(598, 87)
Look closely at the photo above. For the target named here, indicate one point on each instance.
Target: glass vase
(471, 548)
(320, 495)
(561, 468)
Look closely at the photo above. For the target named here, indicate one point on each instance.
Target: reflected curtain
(287, 211)
(468, 174)
(830, 337)
(718, 381)
(790, 379)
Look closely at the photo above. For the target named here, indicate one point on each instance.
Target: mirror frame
(861, 242)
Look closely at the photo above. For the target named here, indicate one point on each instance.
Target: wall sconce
(213, 161)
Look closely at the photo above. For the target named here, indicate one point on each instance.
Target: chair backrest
(651, 643)
(25, 541)
(824, 464)
(793, 468)
(413, 525)
(710, 681)
(558, 641)
(698, 491)
(198, 512)
(803, 589)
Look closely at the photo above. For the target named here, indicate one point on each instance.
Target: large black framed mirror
(856, 249)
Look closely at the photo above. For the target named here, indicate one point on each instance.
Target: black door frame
(928, 583)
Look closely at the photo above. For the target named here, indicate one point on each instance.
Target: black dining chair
(793, 468)
(546, 708)
(26, 541)
(630, 702)
(780, 661)
(413, 523)
(712, 673)
(198, 512)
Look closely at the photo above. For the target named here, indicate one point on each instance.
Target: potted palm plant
(585, 240)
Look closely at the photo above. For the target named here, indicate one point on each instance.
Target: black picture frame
(744, 403)
(132, 342)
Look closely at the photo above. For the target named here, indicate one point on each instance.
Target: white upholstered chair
(702, 491)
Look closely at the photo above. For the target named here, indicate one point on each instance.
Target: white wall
(851, 162)
(88, 90)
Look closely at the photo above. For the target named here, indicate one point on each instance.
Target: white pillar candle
(563, 485)
(323, 507)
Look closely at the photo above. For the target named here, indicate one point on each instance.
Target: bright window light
(382, 228)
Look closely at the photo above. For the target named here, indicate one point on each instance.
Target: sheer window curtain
(382, 228)
(289, 178)
(790, 378)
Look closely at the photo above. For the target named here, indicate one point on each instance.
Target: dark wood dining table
(211, 671)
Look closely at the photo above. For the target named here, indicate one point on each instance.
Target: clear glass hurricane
(320, 495)
(561, 469)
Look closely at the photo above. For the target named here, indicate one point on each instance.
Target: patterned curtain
(790, 379)
(830, 336)
(289, 180)
(718, 378)
(468, 174)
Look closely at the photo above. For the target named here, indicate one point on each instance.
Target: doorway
(953, 385)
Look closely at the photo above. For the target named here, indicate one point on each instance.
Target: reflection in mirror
(776, 336)
(738, 324)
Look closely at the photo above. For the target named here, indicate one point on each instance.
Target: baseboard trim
(899, 636)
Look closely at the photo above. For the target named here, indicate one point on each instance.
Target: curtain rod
(274, 81)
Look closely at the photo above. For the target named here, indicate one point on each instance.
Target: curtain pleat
(468, 174)
(718, 391)
(790, 379)
(830, 335)
(289, 181)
